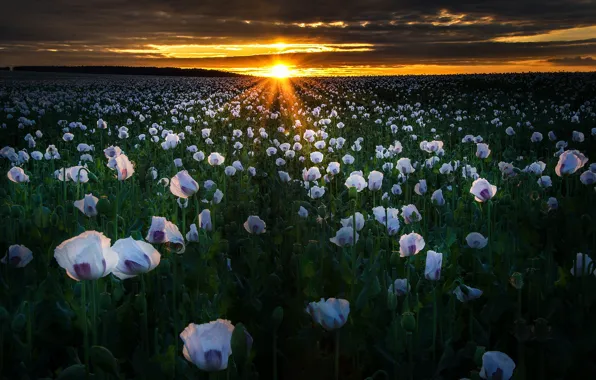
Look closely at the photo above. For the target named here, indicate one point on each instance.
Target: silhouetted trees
(127, 70)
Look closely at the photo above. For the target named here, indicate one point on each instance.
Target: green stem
(353, 254)
(490, 253)
(30, 330)
(175, 306)
(145, 323)
(274, 355)
(85, 328)
(94, 305)
(434, 323)
(410, 356)
(337, 354)
(1, 347)
(471, 321)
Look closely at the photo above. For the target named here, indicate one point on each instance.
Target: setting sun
(280, 71)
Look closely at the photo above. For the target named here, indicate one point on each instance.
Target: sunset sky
(347, 37)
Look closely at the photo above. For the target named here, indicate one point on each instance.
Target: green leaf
(103, 359)
(74, 372)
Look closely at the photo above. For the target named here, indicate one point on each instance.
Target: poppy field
(432, 227)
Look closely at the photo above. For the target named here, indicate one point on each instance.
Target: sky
(323, 37)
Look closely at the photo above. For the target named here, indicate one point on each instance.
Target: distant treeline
(126, 70)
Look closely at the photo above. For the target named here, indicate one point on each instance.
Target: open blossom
(410, 214)
(112, 152)
(434, 260)
(215, 159)
(312, 174)
(316, 157)
(581, 266)
(302, 212)
(123, 166)
(331, 313)
(205, 220)
(166, 232)
(344, 237)
(348, 159)
(333, 168)
(193, 234)
(87, 205)
(356, 181)
(18, 256)
(255, 225)
(404, 165)
(535, 168)
(545, 181)
(496, 365)
(465, 293)
(208, 346)
(482, 190)
(375, 180)
(283, 176)
(476, 240)
(536, 137)
(78, 174)
(437, 198)
(411, 244)
(507, 169)
(135, 257)
(588, 177)
(17, 175)
(570, 161)
(446, 168)
(316, 192)
(420, 187)
(482, 150)
(399, 287)
(349, 221)
(87, 256)
(183, 185)
(383, 214)
(552, 203)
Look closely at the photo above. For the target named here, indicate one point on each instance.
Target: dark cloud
(574, 61)
(402, 32)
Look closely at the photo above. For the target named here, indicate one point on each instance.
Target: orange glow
(239, 50)
(280, 71)
(414, 69)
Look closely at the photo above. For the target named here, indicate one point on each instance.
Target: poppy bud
(241, 344)
(480, 350)
(394, 259)
(391, 301)
(541, 330)
(41, 217)
(521, 330)
(408, 321)
(353, 192)
(117, 293)
(277, 317)
(103, 206)
(105, 300)
(36, 198)
(18, 323)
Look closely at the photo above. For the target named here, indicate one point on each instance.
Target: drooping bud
(408, 321)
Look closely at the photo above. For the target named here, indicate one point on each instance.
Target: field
(448, 222)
